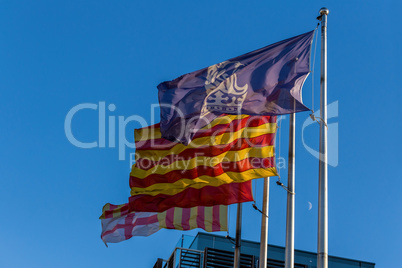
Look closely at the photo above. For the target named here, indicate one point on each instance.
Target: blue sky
(56, 55)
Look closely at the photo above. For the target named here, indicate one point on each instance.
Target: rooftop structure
(209, 251)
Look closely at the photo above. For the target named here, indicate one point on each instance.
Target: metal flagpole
(290, 207)
(238, 237)
(322, 244)
(264, 226)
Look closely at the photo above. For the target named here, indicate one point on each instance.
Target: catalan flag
(119, 224)
(215, 168)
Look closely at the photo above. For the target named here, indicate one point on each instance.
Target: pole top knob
(324, 11)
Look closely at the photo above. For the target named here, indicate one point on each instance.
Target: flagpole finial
(324, 11)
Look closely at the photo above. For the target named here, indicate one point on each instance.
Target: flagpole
(322, 243)
(290, 207)
(264, 226)
(238, 237)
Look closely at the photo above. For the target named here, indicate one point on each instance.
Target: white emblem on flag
(223, 92)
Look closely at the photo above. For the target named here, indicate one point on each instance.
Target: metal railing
(185, 258)
(213, 258)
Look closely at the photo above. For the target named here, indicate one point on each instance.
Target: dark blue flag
(267, 81)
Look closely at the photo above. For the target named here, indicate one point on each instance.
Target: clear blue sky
(55, 55)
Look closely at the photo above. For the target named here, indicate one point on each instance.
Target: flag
(118, 224)
(213, 169)
(267, 81)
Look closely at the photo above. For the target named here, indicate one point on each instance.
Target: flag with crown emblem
(267, 81)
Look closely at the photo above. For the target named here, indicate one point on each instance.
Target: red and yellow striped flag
(213, 169)
(118, 224)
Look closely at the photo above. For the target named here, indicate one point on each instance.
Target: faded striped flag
(211, 170)
(118, 224)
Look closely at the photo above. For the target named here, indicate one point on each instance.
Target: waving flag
(215, 168)
(267, 81)
(118, 224)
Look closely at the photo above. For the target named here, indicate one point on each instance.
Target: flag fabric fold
(119, 224)
(215, 168)
(267, 81)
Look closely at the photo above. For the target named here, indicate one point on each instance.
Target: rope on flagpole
(319, 120)
(231, 239)
(255, 189)
(284, 187)
(279, 145)
(259, 210)
(230, 208)
(279, 170)
(312, 69)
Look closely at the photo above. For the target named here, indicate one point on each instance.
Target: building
(209, 251)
